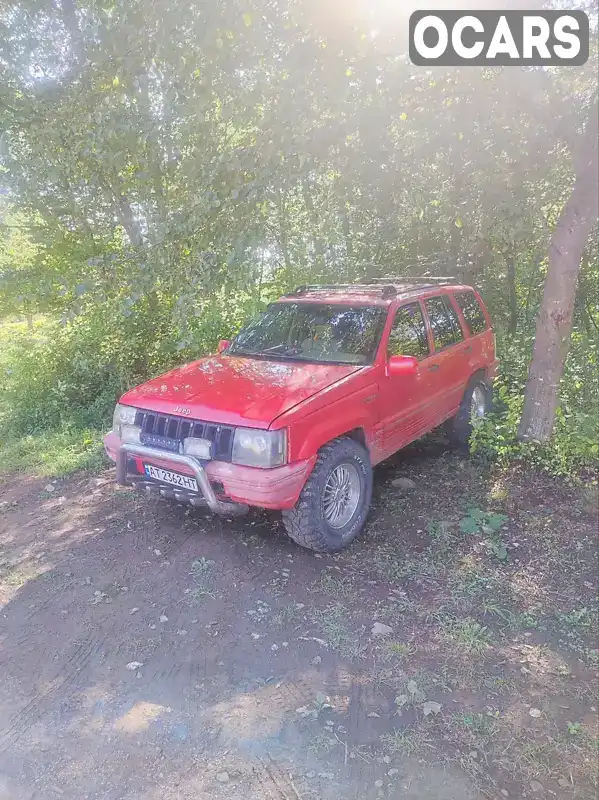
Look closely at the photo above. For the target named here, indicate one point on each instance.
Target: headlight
(255, 448)
(123, 415)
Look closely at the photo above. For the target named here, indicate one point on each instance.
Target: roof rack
(388, 286)
(393, 279)
(387, 289)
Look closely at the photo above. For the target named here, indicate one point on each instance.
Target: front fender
(358, 411)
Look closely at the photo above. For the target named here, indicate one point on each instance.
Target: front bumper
(214, 504)
(277, 488)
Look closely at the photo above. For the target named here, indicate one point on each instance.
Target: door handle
(468, 348)
(433, 367)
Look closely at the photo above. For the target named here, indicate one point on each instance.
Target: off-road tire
(459, 428)
(305, 523)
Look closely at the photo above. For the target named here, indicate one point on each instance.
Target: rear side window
(472, 312)
(408, 334)
(444, 322)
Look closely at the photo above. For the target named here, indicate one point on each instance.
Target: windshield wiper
(256, 353)
(269, 351)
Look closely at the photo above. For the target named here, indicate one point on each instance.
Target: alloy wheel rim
(341, 495)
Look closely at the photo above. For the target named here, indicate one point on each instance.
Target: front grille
(167, 432)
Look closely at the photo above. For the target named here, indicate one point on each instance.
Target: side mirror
(223, 345)
(402, 365)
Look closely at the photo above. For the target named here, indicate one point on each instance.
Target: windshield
(328, 334)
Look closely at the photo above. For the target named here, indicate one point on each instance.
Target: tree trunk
(318, 244)
(554, 321)
(511, 281)
(284, 234)
(129, 223)
(349, 245)
(69, 15)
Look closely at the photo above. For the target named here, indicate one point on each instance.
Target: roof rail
(387, 289)
(387, 286)
(391, 279)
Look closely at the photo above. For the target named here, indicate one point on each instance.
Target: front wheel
(335, 500)
(475, 405)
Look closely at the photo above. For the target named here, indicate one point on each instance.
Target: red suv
(295, 412)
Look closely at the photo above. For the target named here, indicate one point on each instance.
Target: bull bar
(206, 496)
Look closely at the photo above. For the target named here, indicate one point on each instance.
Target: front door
(405, 399)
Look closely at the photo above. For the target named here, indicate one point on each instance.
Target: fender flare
(324, 432)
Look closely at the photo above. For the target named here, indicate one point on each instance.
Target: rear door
(404, 400)
(482, 336)
(449, 367)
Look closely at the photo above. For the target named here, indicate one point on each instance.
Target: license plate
(174, 478)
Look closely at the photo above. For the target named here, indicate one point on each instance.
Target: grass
(335, 627)
(54, 454)
(534, 758)
(48, 449)
(592, 657)
(322, 743)
(478, 726)
(398, 567)
(408, 742)
(578, 618)
(469, 635)
(337, 585)
(399, 650)
(202, 572)
(287, 616)
(12, 576)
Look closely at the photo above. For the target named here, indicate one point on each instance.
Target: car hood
(236, 391)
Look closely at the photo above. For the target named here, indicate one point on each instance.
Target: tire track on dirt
(141, 535)
(356, 712)
(33, 660)
(60, 687)
(50, 600)
(291, 693)
(174, 545)
(272, 783)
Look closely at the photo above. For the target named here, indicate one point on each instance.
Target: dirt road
(149, 652)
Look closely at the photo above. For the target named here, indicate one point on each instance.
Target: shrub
(575, 444)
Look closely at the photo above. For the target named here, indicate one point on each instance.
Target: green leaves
(495, 521)
(469, 525)
(484, 521)
(498, 548)
(488, 524)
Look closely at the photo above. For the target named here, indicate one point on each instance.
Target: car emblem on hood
(182, 410)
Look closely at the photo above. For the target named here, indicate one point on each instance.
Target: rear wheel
(475, 405)
(335, 500)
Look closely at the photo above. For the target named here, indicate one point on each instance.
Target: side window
(444, 322)
(408, 334)
(472, 312)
